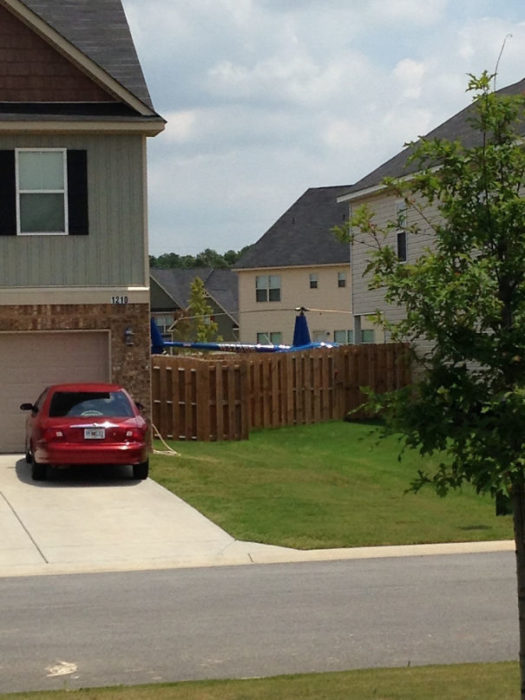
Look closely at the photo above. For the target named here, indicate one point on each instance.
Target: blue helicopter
(301, 341)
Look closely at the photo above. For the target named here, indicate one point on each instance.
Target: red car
(72, 424)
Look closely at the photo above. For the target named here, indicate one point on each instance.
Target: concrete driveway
(85, 520)
(92, 521)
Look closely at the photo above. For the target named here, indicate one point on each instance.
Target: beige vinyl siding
(113, 253)
(364, 300)
(367, 302)
(279, 316)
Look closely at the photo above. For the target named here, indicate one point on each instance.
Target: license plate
(94, 433)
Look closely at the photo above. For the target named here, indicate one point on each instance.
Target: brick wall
(130, 365)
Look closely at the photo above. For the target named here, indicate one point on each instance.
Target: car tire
(141, 471)
(38, 471)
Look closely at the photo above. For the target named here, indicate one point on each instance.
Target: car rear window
(90, 403)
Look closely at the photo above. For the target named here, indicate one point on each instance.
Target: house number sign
(119, 300)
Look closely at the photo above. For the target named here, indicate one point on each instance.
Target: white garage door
(31, 361)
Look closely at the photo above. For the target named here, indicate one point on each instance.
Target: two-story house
(171, 292)
(387, 208)
(75, 114)
(298, 262)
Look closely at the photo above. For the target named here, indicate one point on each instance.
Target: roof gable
(302, 235)
(94, 35)
(457, 128)
(33, 71)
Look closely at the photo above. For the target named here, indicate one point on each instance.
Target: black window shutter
(7, 193)
(77, 194)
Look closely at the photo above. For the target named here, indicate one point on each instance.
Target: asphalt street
(243, 621)
(156, 592)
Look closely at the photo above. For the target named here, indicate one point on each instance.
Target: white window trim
(63, 192)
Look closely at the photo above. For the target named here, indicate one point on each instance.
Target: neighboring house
(74, 286)
(387, 207)
(171, 291)
(298, 262)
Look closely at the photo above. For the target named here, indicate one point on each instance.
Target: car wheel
(38, 471)
(141, 471)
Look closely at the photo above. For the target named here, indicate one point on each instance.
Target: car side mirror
(139, 405)
(28, 407)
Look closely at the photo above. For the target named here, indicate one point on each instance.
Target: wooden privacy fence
(224, 397)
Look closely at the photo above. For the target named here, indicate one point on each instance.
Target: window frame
(313, 279)
(267, 289)
(341, 280)
(63, 192)
(320, 335)
(272, 337)
(348, 336)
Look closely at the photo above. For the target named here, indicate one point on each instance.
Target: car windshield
(90, 403)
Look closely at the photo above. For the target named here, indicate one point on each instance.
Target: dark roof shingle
(221, 285)
(302, 235)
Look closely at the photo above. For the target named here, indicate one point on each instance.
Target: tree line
(206, 258)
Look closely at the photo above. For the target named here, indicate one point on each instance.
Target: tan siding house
(370, 190)
(277, 317)
(298, 263)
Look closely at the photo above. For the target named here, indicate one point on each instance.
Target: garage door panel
(31, 361)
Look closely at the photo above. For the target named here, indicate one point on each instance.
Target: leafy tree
(207, 258)
(197, 324)
(465, 309)
(165, 261)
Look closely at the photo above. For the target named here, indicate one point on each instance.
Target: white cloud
(265, 98)
(410, 74)
(180, 126)
(407, 11)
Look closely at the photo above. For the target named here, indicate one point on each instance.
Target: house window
(319, 336)
(313, 281)
(268, 288)
(402, 246)
(164, 322)
(270, 338)
(401, 220)
(341, 279)
(344, 337)
(368, 336)
(43, 191)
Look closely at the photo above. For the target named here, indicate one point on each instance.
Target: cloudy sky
(265, 98)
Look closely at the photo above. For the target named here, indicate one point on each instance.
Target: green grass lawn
(462, 682)
(326, 485)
